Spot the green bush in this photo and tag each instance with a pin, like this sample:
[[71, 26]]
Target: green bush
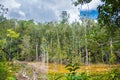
[[3, 73], [55, 76], [73, 75], [10, 78], [84, 76], [113, 74], [6, 72]]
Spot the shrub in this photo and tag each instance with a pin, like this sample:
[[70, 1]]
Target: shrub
[[73, 75], [113, 74], [6, 71]]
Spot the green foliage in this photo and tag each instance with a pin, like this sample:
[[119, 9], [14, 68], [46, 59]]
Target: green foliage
[[2, 54], [112, 58], [108, 13], [12, 34], [84, 76], [3, 41], [3, 72], [11, 78], [73, 75], [77, 2], [11, 44], [55, 76], [6, 72], [25, 48], [113, 74], [63, 43], [72, 69]]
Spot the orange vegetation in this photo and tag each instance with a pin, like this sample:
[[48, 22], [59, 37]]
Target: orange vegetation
[[60, 68]]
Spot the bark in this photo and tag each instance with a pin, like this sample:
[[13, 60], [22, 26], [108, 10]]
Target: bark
[[37, 57], [111, 46], [86, 49]]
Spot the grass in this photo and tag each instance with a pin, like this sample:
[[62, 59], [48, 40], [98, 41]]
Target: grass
[[60, 68], [55, 71]]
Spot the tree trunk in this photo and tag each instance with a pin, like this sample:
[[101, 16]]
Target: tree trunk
[[102, 55], [86, 50], [86, 55], [112, 56], [37, 57], [89, 58], [111, 46]]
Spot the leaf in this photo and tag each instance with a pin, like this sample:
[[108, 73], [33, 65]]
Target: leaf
[[70, 69], [76, 64], [10, 78], [75, 68], [58, 77], [69, 65]]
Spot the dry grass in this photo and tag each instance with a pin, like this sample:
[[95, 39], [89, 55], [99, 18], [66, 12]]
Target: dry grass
[[59, 68]]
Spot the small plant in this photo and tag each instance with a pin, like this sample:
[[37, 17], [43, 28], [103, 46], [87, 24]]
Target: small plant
[[72, 75], [55, 76], [84, 76]]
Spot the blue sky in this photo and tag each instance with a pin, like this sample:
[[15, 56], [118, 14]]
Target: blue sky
[[91, 14], [47, 10]]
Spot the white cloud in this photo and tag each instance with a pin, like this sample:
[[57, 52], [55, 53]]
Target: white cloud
[[65, 5], [11, 4], [95, 21], [92, 5], [74, 15], [22, 13], [44, 10]]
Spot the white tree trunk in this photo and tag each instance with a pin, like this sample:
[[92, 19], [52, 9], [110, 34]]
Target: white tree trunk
[[37, 57], [86, 50]]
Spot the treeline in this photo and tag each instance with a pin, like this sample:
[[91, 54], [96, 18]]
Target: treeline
[[58, 42]]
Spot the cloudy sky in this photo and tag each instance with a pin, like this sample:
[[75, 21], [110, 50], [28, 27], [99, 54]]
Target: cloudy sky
[[47, 10]]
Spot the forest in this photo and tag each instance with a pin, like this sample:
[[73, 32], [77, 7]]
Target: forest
[[25, 44]]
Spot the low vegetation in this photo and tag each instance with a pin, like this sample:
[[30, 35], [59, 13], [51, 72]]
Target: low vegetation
[[33, 70]]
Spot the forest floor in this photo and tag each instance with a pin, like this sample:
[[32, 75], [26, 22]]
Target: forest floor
[[60, 68], [31, 69]]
